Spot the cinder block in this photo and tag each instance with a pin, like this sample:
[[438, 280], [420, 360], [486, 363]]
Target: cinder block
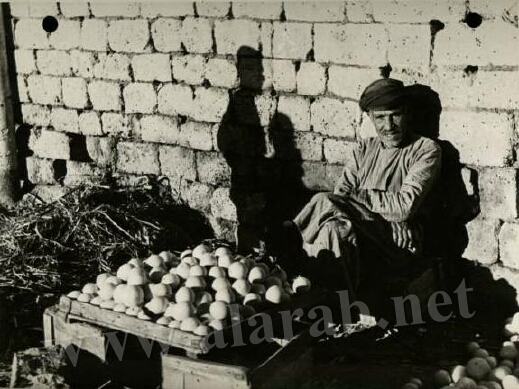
[[409, 45], [82, 63], [257, 9], [292, 40], [74, 9], [354, 44], [283, 75], [64, 120], [210, 104], [114, 9], [482, 138], [101, 150], [266, 106], [67, 36], [49, 193], [482, 241], [19, 9], [197, 35], [509, 244], [151, 67], [223, 229], [38, 115], [334, 118], [232, 34], [40, 171], [120, 40], [89, 123], [79, 173], [44, 89], [137, 158], [28, 34], [418, 11], [293, 112], [338, 150], [266, 36], [315, 176], [222, 205], [255, 73], [189, 68], [483, 89], [310, 145], [311, 79], [213, 169], [139, 97], [213, 9], [118, 124], [196, 195], [359, 11], [494, 10], [254, 109], [315, 11], [350, 82], [49, 144], [23, 92], [24, 61], [176, 8], [196, 135], [166, 34], [177, 163], [43, 8], [161, 129], [112, 66], [94, 35], [221, 72], [53, 62], [489, 44], [510, 276], [74, 91], [175, 99], [104, 95], [498, 193]]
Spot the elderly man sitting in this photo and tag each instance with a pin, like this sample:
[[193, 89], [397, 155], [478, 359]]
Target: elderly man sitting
[[371, 221]]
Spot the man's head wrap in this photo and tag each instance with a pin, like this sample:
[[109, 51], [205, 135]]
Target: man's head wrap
[[383, 94]]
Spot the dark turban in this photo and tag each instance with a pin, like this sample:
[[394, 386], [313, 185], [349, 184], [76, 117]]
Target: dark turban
[[386, 93]]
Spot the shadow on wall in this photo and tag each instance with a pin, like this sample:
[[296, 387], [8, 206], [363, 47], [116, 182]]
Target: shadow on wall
[[266, 171], [453, 208]]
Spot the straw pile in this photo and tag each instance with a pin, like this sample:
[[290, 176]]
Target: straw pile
[[58, 246]]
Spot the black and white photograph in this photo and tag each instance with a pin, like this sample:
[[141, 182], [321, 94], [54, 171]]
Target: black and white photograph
[[259, 194]]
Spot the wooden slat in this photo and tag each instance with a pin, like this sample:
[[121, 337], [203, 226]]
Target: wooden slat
[[185, 373], [60, 332], [122, 322]]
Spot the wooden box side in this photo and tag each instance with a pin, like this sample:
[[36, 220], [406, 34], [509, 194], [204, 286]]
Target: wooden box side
[[120, 321], [58, 331], [185, 373]]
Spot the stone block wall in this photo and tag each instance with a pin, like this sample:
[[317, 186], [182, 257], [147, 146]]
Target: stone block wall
[[143, 88]]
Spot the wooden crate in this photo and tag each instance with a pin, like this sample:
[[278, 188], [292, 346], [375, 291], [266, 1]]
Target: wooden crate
[[267, 365], [87, 313], [284, 367], [57, 330], [75, 311]]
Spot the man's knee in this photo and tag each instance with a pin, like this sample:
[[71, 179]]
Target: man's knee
[[320, 197], [340, 228]]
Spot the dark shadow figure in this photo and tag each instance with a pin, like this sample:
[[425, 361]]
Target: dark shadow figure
[[266, 171], [452, 208]]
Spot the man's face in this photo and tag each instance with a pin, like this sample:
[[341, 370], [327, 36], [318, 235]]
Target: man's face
[[390, 126]]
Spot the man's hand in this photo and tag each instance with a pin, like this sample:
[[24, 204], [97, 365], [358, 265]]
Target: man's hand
[[403, 236]]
